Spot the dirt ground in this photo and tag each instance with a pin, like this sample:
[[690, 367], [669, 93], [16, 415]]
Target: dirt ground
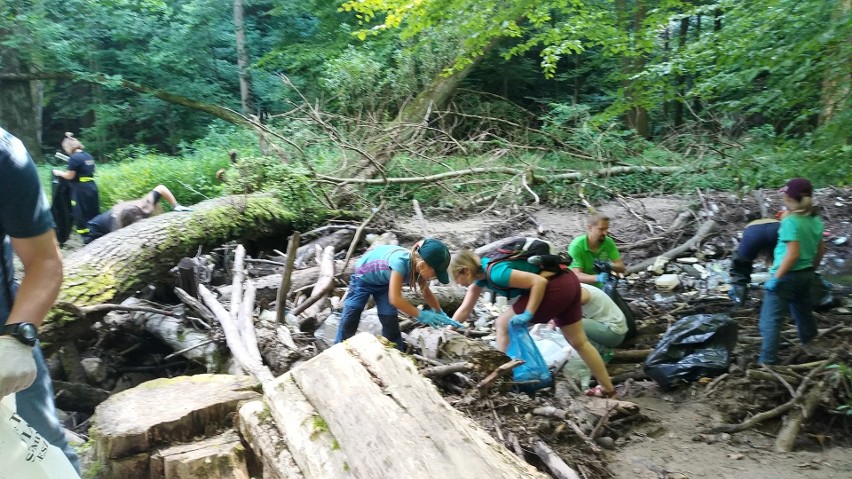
[[668, 442]]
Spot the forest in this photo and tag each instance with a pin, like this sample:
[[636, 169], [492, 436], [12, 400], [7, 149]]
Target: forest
[[362, 122]]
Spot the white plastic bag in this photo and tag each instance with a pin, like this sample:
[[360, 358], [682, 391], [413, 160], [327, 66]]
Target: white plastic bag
[[555, 350], [25, 453]]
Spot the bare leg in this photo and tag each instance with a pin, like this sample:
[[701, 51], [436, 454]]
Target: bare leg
[[502, 326], [577, 339]]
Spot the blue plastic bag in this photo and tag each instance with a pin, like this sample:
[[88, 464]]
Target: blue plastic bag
[[533, 374]]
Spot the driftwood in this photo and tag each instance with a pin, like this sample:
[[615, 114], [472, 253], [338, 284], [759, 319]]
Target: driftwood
[[703, 231], [267, 286], [324, 284], [554, 464], [344, 432], [234, 339], [286, 280], [793, 422], [338, 240], [107, 269], [451, 347], [679, 222], [195, 305], [72, 396]]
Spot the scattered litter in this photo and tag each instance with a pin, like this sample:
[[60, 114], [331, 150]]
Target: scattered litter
[[667, 282]]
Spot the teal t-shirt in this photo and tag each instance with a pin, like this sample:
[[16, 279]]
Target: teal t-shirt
[[807, 230], [583, 258], [500, 274]]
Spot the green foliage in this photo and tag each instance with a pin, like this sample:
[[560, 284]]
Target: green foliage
[[287, 182]]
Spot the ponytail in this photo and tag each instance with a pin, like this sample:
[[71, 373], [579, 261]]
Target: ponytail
[[803, 206], [412, 275]]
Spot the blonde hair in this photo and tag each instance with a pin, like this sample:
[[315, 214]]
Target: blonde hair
[[412, 275], [803, 206], [595, 219], [71, 144], [465, 260]]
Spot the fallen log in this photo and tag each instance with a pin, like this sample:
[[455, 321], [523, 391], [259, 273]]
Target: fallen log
[[338, 240], [110, 267], [381, 419], [260, 432]]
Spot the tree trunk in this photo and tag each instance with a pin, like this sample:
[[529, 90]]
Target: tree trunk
[[837, 80], [677, 119], [242, 59], [379, 418], [111, 266], [20, 102]]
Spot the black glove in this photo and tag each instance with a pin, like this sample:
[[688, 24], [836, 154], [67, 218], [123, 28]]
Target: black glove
[[603, 266]]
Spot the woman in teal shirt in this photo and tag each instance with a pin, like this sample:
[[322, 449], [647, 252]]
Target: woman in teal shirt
[[798, 253]]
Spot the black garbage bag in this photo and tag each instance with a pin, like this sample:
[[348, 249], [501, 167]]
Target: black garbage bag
[[822, 294], [694, 347], [61, 208], [611, 289]]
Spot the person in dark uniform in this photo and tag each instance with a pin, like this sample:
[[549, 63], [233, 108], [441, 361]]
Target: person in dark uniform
[[759, 239], [129, 212], [81, 173]]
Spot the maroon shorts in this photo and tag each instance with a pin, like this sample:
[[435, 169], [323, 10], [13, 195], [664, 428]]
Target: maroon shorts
[[561, 301]]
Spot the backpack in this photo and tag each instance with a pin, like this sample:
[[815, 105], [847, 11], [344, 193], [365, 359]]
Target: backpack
[[536, 251]]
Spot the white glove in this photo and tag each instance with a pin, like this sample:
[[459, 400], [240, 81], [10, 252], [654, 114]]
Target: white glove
[[17, 366], [179, 207]]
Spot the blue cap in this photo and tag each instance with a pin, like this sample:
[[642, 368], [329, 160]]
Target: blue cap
[[437, 256]]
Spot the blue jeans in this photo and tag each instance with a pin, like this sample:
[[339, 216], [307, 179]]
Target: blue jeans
[[35, 405], [356, 299], [792, 294]]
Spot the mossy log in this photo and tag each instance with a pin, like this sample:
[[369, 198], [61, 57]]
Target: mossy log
[[110, 267]]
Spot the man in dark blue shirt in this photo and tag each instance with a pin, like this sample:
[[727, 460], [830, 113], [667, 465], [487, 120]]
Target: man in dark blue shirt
[[26, 226], [85, 201]]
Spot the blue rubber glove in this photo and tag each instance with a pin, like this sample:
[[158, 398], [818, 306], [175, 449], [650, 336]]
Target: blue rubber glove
[[522, 319], [429, 318], [771, 284], [603, 277], [448, 320]]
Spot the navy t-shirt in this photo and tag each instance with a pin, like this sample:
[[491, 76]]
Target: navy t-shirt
[[83, 164], [24, 210]]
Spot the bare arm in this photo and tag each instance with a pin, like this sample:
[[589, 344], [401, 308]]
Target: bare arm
[[618, 266], [429, 296], [42, 277], [166, 194], [67, 174], [469, 301], [395, 296], [537, 284], [585, 278], [789, 259]]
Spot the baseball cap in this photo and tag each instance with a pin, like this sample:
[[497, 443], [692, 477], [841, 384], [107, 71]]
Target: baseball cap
[[798, 188], [437, 256]]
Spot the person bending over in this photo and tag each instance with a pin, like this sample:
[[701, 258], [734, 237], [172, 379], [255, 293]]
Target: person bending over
[[542, 296], [129, 212]]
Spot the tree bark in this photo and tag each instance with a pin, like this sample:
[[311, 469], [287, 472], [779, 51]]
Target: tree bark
[[20, 102], [242, 58]]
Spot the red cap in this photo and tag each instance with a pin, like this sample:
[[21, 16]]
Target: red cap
[[797, 188]]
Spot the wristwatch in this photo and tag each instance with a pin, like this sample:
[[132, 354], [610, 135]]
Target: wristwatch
[[26, 333]]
